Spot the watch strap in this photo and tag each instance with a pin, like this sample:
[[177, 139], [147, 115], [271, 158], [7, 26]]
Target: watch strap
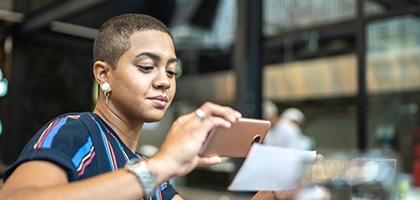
[[147, 179]]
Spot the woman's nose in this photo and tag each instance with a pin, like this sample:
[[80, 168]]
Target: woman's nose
[[162, 80]]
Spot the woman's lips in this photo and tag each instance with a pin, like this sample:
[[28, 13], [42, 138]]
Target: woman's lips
[[160, 101]]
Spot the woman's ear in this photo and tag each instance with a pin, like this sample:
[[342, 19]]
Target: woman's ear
[[100, 71]]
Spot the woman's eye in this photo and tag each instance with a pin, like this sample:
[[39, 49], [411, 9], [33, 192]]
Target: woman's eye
[[146, 68], [171, 73]]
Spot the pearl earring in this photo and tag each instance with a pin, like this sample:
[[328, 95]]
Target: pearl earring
[[105, 87]]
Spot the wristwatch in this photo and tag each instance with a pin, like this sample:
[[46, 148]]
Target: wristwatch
[[147, 179]]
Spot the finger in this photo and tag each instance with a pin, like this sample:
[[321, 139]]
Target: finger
[[285, 194], [214, 121], [228, 113], [319, 157], [207, 161]]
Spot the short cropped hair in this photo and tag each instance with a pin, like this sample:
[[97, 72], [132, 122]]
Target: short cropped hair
[[113, 38]]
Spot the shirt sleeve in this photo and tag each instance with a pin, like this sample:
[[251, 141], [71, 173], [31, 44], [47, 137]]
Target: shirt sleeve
[[60, 141], [168, 191]]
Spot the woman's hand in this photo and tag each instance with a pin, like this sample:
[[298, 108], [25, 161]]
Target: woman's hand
[[275, 195], [178, 154]]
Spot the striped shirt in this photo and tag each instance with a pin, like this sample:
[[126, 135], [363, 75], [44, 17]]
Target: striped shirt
[[84, 145]]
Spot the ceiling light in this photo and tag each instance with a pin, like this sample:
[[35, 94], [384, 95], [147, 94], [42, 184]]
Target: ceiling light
[[73, 29]]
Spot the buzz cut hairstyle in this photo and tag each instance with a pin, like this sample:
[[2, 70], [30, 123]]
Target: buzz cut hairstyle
[[113, 38]]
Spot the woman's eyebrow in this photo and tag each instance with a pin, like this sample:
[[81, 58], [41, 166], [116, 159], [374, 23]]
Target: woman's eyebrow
[[156, 57], [173, 60], [149, 54]]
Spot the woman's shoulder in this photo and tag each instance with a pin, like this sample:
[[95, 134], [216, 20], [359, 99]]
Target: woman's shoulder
[[72, 118], [74, 115], [67, 125]]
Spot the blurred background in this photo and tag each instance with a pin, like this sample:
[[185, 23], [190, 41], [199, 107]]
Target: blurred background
[[351, 66]]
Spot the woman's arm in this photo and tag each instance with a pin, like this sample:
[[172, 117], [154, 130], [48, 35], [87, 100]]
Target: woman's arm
[[46, 180], [177, 156], [177, 197]]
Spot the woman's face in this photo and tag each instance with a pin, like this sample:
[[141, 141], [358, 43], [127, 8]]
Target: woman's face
[[143, 84]]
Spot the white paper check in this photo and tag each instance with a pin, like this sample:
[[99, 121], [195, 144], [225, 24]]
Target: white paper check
[[271, 168]]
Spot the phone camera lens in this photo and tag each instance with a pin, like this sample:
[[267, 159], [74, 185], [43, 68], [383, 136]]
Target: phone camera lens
[[256, 139]]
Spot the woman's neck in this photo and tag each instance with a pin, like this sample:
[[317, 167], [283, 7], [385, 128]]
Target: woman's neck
[[129, 133]]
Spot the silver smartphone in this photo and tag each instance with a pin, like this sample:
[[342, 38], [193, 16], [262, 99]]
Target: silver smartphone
[[237, 140]]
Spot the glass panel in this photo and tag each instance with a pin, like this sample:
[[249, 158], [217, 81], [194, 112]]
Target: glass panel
[[375, 7], [291, 15], [393, 81]]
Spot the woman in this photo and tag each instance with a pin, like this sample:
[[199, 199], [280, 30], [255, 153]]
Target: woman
[[78, 155]]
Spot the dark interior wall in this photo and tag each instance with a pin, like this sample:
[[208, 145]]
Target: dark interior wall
[[47, 79], [51, 74]]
